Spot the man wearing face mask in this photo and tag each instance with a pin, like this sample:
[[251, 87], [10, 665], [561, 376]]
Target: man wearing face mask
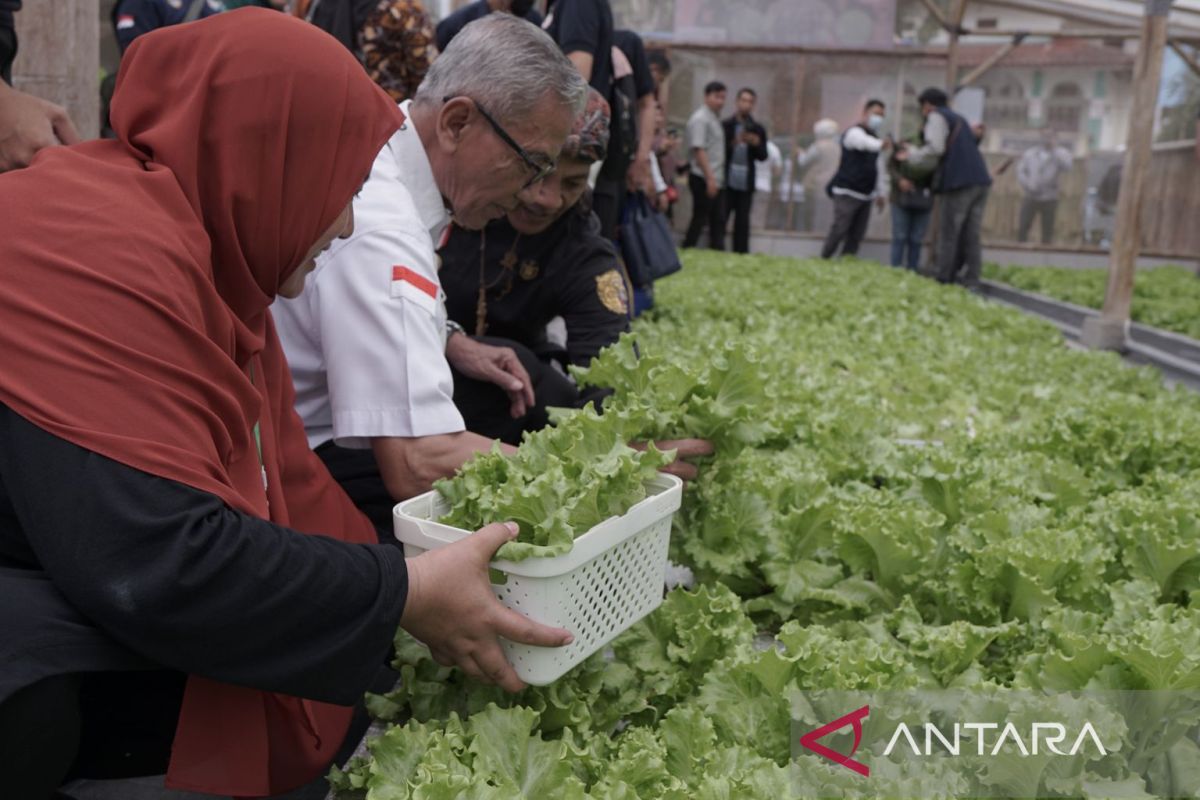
[[856, 182], [448, 28]]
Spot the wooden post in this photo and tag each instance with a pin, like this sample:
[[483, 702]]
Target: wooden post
[[58, 58], [797, 109], [959, 11], [1109, 331]]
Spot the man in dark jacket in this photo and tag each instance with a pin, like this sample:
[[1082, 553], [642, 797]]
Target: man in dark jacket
[[745, 143], [856, 182], [962, 180]]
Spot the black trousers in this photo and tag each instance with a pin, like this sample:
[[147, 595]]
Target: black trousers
[[111, 725], [1030, 208], [738, 204], [959, 236], [100, 725], [850, 218], [357, 471], [485, 406], [706, 212]]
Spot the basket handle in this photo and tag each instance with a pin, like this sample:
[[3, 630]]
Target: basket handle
[[438, 532]]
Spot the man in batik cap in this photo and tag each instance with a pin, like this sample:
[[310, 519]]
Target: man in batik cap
[[545, 261]]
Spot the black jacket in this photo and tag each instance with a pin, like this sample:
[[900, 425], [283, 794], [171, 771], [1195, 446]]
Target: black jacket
[[569, 270], [756, 153]]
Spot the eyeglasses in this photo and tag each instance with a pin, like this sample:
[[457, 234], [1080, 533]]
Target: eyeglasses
[[539, 164]]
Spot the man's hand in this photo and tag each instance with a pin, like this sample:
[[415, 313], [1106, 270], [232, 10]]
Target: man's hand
[[498, 365], [662, 202], [452, 609], [880, 202], [752, 138], [906, 185], [28, 124], [684, 449], [711, 185], [638, 177]]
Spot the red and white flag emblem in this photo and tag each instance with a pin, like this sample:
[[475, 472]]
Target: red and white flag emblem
[[415, 287]]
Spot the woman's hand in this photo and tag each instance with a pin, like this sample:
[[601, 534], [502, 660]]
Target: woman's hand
[[452, 609]]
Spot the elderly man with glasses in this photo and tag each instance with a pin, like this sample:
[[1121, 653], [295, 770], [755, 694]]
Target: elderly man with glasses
[[367, 341]]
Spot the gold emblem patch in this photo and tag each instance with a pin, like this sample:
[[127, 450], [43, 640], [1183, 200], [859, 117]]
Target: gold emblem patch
[[529, 269], [611, 288]]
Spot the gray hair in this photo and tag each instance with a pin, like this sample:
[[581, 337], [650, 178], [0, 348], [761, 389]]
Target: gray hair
[[508, 65], [826, 128]]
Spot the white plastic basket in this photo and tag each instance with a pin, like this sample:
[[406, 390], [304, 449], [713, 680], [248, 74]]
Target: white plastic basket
[[610, 579]]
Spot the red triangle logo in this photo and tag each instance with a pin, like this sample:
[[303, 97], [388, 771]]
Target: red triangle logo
[[854, 719]]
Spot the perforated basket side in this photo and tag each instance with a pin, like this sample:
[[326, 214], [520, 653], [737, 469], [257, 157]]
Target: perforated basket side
[[596, 601]]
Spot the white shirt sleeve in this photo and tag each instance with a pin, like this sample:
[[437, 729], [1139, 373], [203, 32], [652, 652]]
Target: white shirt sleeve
[[378, 305], [858, 139], [660, 185], [697, 133], [937, 136]]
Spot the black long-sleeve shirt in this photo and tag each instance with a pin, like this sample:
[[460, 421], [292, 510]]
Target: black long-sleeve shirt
[[449, 27], [103, 566]]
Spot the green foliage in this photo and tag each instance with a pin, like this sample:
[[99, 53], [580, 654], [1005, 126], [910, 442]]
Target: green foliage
[[913, 489], [1163, 297], [563, 481]]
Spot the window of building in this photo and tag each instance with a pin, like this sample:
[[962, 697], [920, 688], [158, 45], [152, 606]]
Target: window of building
[[1064, 107], [1006, 105]]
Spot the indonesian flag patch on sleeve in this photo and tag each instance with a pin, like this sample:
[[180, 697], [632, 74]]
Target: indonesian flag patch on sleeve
[[125, 22], [414, 287]]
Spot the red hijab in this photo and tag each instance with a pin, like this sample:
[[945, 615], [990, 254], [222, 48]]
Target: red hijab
[[135, 278]]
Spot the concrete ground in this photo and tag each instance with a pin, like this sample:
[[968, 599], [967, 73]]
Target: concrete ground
[[800, 245]]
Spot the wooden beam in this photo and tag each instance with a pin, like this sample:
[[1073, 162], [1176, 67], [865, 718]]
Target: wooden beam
[[799, 70], [1110, 330], [1078, 33], [991, 61], [1187, 57], [796, 49], [1082, 33], [956, 20], [937, 14]]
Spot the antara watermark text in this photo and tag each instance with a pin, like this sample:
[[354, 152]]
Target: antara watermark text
[[1040, 738]]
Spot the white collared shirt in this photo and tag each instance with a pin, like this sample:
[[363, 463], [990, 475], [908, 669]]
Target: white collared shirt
[[366, 339]]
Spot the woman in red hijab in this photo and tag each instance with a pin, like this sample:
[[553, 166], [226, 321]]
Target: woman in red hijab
[[157, 595]]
